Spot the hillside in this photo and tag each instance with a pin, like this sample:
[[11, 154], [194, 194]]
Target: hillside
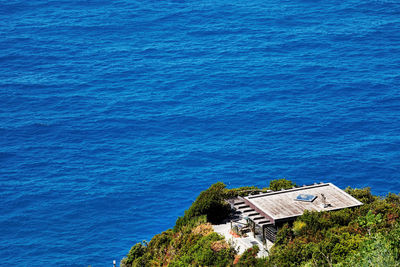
[[363, 236]]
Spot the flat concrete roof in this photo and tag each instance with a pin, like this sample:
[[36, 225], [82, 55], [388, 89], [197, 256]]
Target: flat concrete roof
[[282, 205]]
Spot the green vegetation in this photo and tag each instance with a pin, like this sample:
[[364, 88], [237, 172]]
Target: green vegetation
[[364, 236], [192, 242], [281, 184], [249, 258], [209, 203]]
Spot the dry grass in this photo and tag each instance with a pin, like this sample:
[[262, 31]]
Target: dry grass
[[203, 229], [219, 245]]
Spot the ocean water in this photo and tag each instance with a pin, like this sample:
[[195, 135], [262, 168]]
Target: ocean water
[[114, 115]]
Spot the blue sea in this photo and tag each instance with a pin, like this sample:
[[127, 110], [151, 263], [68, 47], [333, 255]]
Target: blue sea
[[115, 115]]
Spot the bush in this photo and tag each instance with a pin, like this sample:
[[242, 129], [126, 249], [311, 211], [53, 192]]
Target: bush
[[210, 203], [375, 251], [249, 257], [364, 195], [340, 217], [363, 236], [393, 239], [298, 227], [315, 221], [329, 238], [284, 235], [279, 184], [241, 191], [136, 252], [393, 198]]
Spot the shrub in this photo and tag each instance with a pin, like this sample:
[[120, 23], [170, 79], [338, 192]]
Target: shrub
[[364, 195], [241, 191], [249, 257], [281, 184], [298, 226], [315, 221], [375, 251], [337, 238], [393, 238], [204, 252], [340, 217], [210, 203], [284, 235], [137, 251], [393, 198], [370, 221]]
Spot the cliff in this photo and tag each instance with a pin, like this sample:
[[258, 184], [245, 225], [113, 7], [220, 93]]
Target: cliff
[[363, 236]]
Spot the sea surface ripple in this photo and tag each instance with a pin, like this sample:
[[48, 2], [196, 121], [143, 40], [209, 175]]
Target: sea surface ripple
[[114, 115]]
